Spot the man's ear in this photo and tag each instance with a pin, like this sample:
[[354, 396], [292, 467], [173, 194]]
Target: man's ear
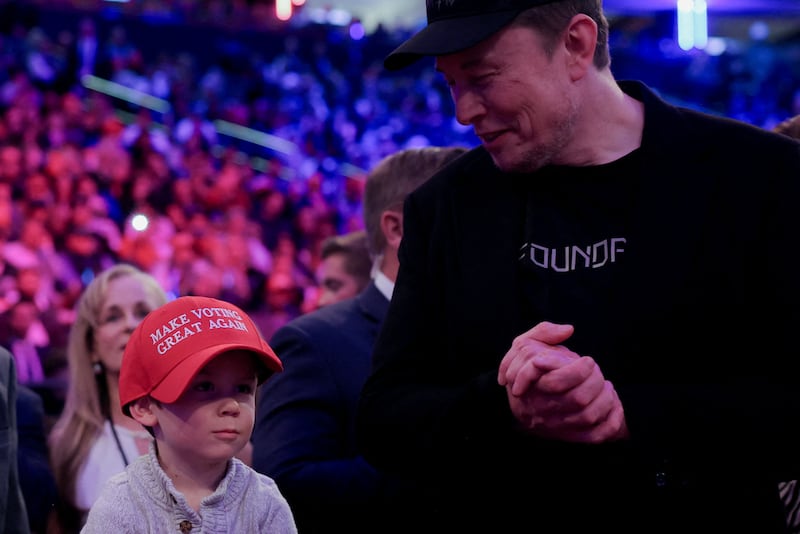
[[581, 41], [392, 227], [142, 411]]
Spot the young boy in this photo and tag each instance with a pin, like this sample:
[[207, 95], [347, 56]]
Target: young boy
[[189, 375]]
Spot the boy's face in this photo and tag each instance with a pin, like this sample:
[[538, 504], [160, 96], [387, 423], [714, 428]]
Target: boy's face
[[213, 419]]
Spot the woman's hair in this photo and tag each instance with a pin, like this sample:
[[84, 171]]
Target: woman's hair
[[550, 20], [87, 402]]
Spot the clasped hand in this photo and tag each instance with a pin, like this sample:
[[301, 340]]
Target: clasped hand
[[556, 393]]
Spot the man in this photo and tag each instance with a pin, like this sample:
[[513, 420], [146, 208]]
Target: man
[[37, 481], [304, 436], [790, 491], [344, 268], [593, 324], [13, 515]]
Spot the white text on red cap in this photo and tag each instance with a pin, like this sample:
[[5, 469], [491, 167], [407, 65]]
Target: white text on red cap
[[169, 334]]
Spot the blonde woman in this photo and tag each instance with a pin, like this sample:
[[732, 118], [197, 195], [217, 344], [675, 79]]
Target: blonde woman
[[92, 439]]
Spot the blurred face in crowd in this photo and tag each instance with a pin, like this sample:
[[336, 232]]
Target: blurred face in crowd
[[335, 283], [126, 304], [34, 234], [10, 163], [519, 101], [23, 315], [282, 291], [29, 281]]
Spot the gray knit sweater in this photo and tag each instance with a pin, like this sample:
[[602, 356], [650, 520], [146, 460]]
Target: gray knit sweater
[[142, 499]]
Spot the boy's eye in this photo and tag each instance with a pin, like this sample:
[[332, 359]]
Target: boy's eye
[[246, 388], [205, 385]]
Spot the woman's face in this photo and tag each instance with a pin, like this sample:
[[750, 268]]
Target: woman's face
[[126, 304]]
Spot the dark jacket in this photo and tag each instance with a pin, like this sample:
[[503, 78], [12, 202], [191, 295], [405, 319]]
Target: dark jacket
[[13, 516], [695, 325], [304, 436], [36, 476]]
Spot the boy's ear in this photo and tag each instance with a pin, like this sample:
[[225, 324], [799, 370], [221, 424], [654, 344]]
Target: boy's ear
[[141, 410]]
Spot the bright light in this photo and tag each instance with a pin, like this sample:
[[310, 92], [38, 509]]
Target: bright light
[[692, 24], [357, 31], [716, 46], [759, 30], [339, 17], [700, 24], [283, 9], [139, 222]]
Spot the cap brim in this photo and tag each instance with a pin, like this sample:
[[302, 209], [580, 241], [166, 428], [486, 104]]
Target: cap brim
[[176, 382], [448, 36]]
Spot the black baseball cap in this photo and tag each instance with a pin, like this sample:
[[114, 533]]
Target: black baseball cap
[[454, 25]]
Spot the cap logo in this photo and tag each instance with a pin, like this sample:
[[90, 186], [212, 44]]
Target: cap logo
[[186, 325], [437, 6]]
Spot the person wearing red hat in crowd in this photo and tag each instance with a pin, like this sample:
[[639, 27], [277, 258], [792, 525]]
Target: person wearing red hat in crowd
[[189, 375], [594, 325]]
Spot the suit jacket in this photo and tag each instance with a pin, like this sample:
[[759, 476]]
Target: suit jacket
[[696, 331], [13, 516], [304, 436], [36, 477]]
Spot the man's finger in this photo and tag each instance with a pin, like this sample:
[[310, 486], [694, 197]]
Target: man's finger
[[551, 333]]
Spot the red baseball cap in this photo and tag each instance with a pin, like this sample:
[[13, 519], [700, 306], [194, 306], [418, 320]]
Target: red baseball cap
[[176, 340]]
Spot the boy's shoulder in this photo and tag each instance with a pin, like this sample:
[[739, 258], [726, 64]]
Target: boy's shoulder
[[112, 508], [249, 479]]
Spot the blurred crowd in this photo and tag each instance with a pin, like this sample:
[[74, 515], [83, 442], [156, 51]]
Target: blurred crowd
[[249, 151]]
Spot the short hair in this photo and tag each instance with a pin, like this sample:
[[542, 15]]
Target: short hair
[[393, 178], [353, 247], [551, 19]]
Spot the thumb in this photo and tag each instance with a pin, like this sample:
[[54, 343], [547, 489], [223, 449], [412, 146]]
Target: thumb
[[550, 333]]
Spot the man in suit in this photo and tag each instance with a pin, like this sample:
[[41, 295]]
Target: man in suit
[[344, 269], [13, 515], [304, 435], [594, 326], [36, 477]]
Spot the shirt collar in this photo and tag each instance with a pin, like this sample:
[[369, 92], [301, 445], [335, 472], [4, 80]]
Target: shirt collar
[[384, 285]]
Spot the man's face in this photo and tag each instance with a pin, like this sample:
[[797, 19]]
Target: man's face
[[520, 102], [335, 283]]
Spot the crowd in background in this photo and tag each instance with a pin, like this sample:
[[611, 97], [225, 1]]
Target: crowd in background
[[250, 152]]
